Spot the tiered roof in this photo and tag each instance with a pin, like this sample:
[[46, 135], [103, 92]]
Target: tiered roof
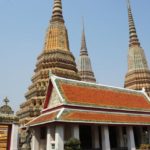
[[83, 102]]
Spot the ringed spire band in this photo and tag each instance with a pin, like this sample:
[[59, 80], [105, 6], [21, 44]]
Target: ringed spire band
[[57, 11]]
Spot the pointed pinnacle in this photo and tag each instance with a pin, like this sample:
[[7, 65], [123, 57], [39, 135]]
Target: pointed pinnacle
[[6, 101], [132, 30], [128, 4], [83, 50]]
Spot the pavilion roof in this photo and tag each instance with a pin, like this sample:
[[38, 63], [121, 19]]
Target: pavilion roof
[[90, 117], [86, 102], [81, 93]]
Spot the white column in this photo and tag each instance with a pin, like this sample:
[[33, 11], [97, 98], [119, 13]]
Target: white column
[[75, 132], [14, 137], [105, 138], [35, 140], [59, 137], [130, 138], [48, 143], [95, 137], [120, 141]]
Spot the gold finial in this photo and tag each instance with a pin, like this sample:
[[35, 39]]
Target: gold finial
[[128, 4], [83, 22], [6, 101]]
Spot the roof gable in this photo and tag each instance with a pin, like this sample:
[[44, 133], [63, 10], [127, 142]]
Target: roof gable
[[53, 97]]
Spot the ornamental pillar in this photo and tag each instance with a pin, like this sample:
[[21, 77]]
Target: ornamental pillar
[[35, 140], [95, 137], [48, 143], [105, 138], [14, 137], [120, 140], [59, 137], [75, 132], [130, 138]]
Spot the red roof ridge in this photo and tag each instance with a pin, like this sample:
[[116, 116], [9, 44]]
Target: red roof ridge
[[55, 78]]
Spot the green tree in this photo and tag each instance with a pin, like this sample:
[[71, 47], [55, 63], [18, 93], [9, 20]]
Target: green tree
[[72, 144]]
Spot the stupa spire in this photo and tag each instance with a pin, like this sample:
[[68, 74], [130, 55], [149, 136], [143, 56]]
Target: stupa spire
[[83, 50], [132, 30], [57, 35], [84, 65], [56, 58], [138, 75], [57, 11]]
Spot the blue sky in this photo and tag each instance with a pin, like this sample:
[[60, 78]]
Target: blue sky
[[23, 25]]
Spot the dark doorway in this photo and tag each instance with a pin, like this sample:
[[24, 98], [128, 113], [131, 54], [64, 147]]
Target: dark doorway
[[85, 137], [137, 136], [100, 137], [113, 137]]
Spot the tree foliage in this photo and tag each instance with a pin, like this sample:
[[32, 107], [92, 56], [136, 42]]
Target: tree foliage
[[72, 144]]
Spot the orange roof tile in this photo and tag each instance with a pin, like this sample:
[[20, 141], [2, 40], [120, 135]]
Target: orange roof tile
[[105, 117], [92, 117], [43, 119], [84, 94]]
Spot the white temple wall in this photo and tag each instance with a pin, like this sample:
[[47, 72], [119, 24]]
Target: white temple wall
[[59, 137], [35, 144], [130, 137], [43, 144], [14, 137], [105, 138]]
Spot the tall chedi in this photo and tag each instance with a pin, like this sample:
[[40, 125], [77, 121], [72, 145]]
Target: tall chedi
[[84, 64], [138, 75], [56, 58]]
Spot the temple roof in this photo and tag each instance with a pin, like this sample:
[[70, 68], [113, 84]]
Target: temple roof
[[73, 92], [81, 93], [80, 101], [77, 116]]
